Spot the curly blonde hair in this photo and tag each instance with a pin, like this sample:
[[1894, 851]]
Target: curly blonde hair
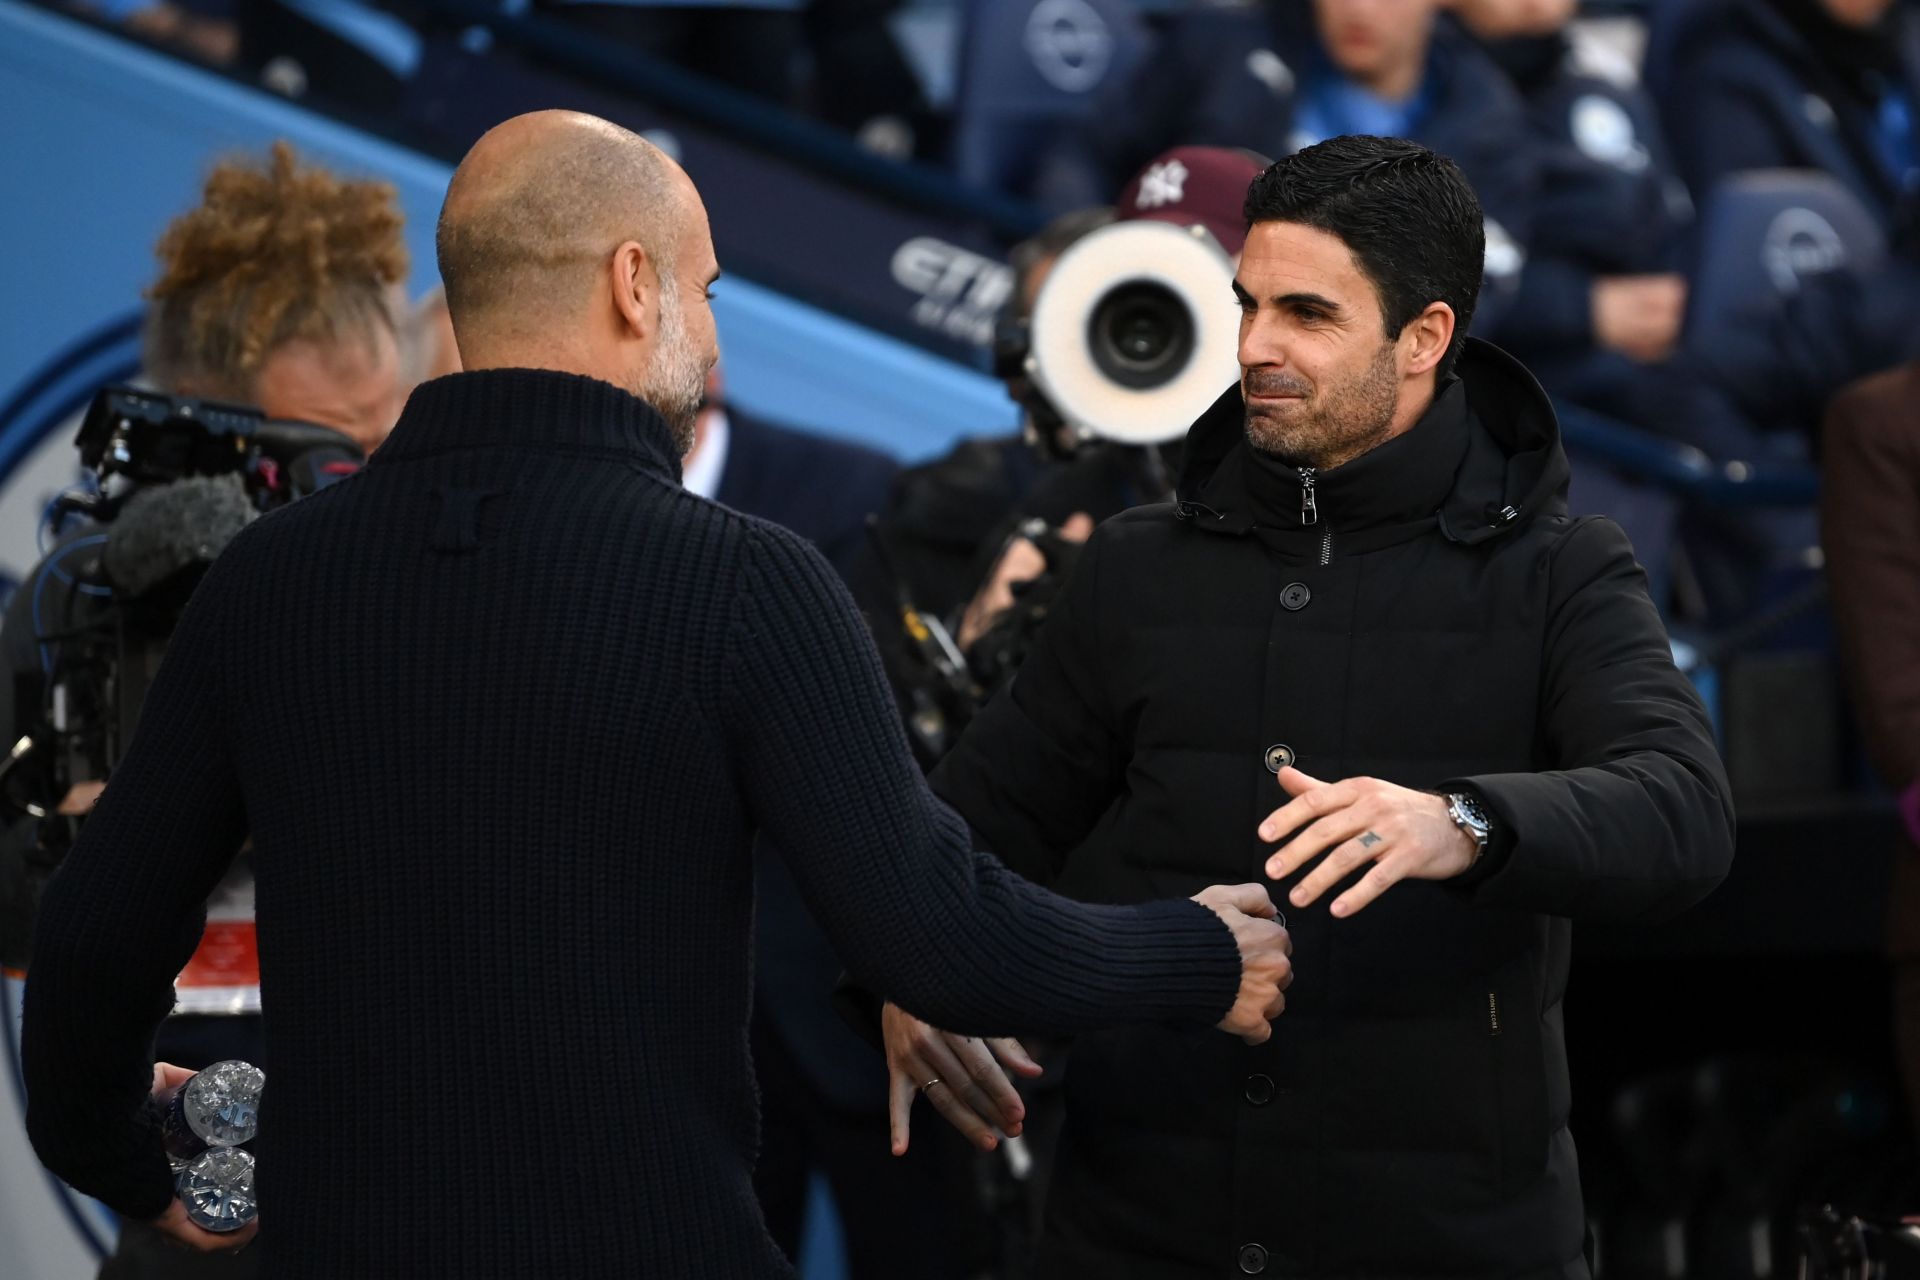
[[271, 255]]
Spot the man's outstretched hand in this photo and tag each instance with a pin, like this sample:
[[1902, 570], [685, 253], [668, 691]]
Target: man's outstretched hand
[[1397, 833]]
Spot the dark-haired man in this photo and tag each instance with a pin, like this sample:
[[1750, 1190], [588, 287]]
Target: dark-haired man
[[1368, 592]]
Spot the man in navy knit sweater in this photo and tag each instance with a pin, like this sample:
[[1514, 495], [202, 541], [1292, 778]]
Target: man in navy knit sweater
[[502, 715]]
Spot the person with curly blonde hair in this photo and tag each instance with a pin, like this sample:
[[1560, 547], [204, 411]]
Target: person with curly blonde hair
[[280, 290]]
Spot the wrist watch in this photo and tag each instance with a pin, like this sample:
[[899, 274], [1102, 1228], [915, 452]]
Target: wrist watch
[[1470, 816]]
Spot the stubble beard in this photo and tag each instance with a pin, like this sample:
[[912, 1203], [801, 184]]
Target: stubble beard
[[676, 381], [1332, 425]]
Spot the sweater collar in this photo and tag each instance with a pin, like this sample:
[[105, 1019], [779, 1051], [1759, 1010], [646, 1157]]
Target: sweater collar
[[530, 409]]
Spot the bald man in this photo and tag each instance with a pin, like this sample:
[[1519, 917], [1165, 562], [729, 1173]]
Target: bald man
[[503, 715]]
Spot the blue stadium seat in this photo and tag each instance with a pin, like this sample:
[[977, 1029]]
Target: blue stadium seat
[[1030, 68], [1776, 246]]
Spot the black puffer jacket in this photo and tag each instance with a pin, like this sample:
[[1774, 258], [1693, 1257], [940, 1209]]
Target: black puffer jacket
[[1441, 622]]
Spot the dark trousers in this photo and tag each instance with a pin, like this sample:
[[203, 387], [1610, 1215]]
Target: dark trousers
[[903, 1218]]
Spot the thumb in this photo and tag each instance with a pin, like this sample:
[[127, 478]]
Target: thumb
[[1296, 782], [1249, 899], [1078, 528]]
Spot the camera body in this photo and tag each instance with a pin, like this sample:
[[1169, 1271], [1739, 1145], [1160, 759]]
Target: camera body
[[174, 480]]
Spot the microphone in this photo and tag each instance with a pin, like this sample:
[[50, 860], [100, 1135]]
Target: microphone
[[167, 530]]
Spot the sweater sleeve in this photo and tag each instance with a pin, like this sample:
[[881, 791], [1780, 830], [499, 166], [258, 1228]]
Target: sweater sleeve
[[1634, 821], [950, 935], [120, 919]]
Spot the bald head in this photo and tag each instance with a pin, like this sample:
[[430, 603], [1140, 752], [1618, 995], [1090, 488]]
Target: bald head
[[567, 242], [537, 206]]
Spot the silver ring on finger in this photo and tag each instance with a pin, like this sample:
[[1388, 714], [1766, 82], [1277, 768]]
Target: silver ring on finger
[[929, 1084]]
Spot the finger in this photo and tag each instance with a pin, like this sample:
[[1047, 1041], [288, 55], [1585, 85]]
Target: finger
[[987, 1076], [1276, 1006], [952, 1106], [1339, 863], [1316, 838], [964, 1105], [1249, 899], [1078, 528], [1305, 807], [1014, 1056], [1297, 782], [1260, 1034], [899, 1108], [167, 1076], [1385, 874]]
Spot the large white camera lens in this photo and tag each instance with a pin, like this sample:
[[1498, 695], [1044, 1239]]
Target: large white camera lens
[[1135, 332]]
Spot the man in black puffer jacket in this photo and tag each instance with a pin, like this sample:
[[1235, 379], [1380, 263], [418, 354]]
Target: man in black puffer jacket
[[1370, 587]]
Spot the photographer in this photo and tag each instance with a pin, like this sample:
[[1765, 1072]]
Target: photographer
[[276, 291], [997, 521]]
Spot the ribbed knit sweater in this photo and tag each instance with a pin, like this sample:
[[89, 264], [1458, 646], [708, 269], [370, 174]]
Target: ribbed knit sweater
[[502, 715]]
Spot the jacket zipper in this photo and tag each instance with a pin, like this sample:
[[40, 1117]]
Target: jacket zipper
[[1493, 1014], [1310, 513]]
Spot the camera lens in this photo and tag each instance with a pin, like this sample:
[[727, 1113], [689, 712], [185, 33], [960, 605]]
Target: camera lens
[[1141, 334]]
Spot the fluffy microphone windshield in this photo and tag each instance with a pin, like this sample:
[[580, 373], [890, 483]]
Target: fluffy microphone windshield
[[170, 528]]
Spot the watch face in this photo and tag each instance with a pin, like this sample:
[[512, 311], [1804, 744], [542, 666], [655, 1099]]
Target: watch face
[[1471, 811]]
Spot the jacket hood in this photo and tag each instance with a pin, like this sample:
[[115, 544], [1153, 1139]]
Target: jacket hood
[[1483, 460]]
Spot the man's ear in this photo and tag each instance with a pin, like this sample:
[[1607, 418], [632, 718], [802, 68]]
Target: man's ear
[[635, 287], [1430, 334]]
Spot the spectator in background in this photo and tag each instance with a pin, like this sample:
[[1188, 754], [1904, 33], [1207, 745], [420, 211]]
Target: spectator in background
[[1870, 527], [1289, 76], [1601, 298], [1832, 85]]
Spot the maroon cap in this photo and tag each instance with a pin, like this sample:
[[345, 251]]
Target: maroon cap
[[1195, 186]]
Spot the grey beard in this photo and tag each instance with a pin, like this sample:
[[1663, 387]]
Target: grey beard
[[676, 382]]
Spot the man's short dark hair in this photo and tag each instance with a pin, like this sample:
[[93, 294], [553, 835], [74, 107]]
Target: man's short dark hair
[[1408, 215]]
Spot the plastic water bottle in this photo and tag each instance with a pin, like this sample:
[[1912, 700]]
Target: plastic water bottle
[[217, 1189], [218, 1107]]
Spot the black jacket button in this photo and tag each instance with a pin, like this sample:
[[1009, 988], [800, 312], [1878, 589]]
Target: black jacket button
[[1294, 597], [1253, 1259], [1279, 756], [1259, 1090]]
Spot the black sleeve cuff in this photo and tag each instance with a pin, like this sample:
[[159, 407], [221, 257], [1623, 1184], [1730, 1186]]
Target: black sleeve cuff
[[1501, 839]]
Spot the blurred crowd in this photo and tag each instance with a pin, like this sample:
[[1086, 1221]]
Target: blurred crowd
[[1647, 258]]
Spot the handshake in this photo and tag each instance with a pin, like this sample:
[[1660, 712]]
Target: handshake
[[965, 1078]]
